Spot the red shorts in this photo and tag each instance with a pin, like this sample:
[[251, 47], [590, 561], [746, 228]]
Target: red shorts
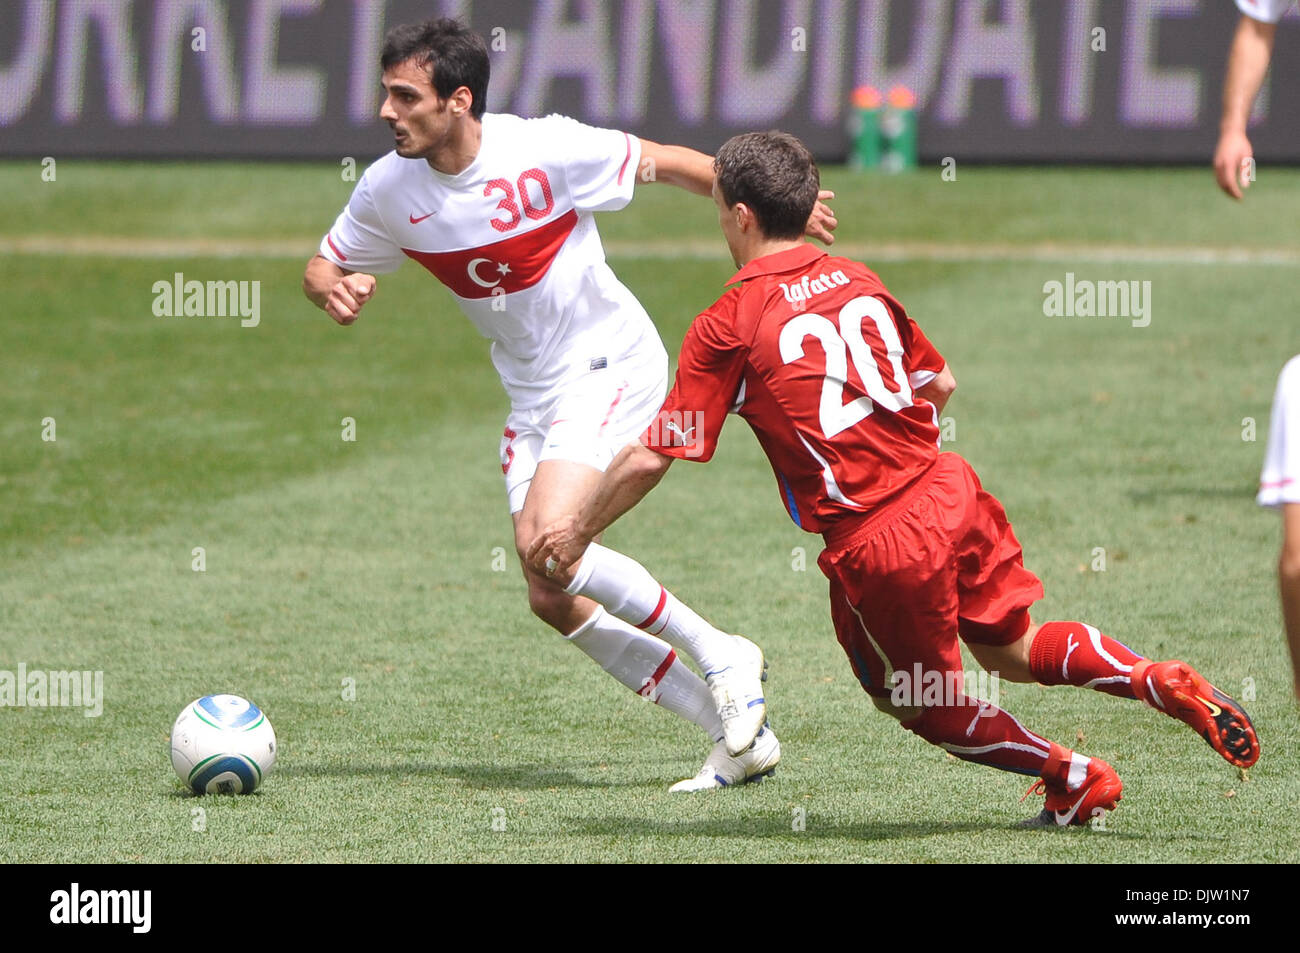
[[938, 562]]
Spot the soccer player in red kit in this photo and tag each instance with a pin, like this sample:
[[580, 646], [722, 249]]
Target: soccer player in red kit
[[844, 393]]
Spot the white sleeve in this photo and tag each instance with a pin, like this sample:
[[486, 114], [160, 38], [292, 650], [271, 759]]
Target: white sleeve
[[1266, 11], [1280, 481], [599, 164], [359, 241]]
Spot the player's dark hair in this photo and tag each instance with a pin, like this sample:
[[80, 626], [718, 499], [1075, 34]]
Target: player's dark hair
[[454, 56], [775, 175]]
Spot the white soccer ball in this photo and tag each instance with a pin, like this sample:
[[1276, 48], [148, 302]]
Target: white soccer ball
[[222, 744]]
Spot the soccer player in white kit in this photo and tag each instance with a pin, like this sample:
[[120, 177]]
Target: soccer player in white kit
[[1252, 48], [499, 209], [1279, 487]]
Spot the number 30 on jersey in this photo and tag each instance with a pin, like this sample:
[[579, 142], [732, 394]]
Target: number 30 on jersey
[[510, 208]]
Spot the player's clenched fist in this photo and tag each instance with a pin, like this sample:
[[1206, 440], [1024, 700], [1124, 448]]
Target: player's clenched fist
[[348, 295]]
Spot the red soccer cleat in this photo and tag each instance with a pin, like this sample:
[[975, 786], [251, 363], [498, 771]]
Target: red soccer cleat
[[1180, 691], [1100, 790]]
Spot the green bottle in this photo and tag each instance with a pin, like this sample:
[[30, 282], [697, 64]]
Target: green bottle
[[864, 128], [898, 131]]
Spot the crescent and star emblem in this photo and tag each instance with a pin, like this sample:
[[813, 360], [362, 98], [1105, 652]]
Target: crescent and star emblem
[[502, 268]]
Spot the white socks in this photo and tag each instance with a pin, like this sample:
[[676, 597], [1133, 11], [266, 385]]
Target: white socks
[[649, 667], [624, 587]]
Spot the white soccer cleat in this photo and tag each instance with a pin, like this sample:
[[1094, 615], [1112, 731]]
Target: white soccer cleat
[[738, 694], [722, 770]]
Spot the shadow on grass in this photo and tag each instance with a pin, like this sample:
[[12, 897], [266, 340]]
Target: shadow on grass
[[779, 827], [527, 777], [185, 794]]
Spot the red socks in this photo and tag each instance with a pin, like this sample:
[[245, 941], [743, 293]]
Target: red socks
[[1074, 653], [974, 730], [1063, 653]]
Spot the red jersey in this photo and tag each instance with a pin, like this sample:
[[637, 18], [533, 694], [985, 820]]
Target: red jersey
[[823, 363]]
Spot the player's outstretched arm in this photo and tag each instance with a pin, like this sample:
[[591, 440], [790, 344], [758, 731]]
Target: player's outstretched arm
[[634, 473], [1252, 47], [336, 291], [693, 171], [676, 165]]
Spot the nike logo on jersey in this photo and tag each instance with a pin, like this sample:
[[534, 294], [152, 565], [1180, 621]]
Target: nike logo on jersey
[[417, 221]]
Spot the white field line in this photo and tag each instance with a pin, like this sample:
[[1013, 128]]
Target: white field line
[[118, 246]]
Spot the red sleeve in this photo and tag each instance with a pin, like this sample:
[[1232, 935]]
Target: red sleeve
[[923, 359], [709, 372]]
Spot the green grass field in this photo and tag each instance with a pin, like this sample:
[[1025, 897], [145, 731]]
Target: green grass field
[[389, 560]]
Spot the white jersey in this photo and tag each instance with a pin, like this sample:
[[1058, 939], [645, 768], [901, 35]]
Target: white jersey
[[1266, 11], [513, 238], [1280, 481]]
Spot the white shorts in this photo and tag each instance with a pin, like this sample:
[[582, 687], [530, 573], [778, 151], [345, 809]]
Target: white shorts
[[588, 421]]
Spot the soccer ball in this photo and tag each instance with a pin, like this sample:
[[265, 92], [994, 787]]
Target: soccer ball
[[222, 744]]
